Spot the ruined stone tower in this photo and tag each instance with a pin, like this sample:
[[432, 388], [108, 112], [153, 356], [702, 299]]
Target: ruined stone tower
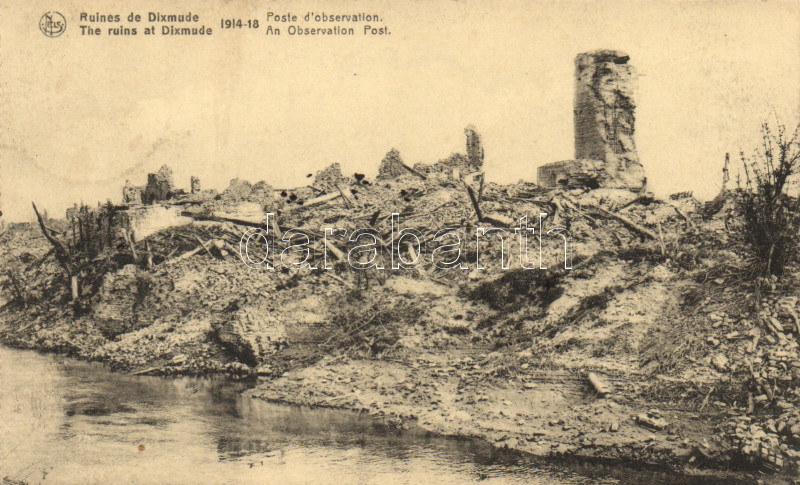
[[605, 152]]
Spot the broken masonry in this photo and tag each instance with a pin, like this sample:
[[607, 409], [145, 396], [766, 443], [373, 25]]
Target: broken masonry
[[605, 151]]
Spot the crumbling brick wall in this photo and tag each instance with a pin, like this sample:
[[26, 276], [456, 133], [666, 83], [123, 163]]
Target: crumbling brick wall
[[391, 165], [572, 173], [474, 148], [159, 186], [604, 114], [605, 152], [131, 194], [454, 166]]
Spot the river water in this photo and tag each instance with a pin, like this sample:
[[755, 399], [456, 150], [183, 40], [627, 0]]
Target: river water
[[67, 421]]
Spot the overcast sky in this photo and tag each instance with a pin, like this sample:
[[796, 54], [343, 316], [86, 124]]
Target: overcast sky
[[81, 115]]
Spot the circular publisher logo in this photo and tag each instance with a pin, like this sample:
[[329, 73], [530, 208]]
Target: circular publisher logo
[[52, 24]]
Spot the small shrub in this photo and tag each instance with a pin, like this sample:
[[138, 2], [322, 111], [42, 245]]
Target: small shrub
[[771, 215]]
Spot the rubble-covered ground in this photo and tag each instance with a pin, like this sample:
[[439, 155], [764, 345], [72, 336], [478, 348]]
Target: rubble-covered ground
[[696, 357]]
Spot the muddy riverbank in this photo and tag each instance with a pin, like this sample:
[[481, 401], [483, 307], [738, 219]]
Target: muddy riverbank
[[69, 421]]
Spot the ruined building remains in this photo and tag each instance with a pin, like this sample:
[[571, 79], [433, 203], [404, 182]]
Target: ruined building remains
[[131, 194], [605, 152], [391, 165], [474, 148], [452, 167], [160, 185]]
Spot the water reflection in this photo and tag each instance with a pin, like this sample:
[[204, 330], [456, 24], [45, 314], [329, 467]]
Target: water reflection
[[64, 421]]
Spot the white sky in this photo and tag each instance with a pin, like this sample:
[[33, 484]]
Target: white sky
[[81, 115]]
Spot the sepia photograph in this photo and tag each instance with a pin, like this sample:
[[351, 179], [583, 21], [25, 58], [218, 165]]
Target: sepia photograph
[[400, 242]]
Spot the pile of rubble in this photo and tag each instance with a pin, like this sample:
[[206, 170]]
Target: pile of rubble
[[774, 444], [768, 433]]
